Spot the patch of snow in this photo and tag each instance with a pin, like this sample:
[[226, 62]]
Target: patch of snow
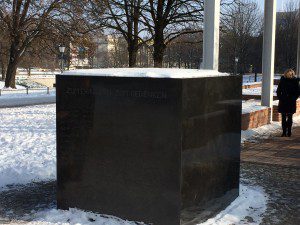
[[74, 216], [27, 144], [257, 91], [275, 102], [251, 83], [252, 203], [251, 106], [36, 76], [265, 131], [2, 84], [37, 99], [19, 97], [250, 78], [146, 72], [30, 84], [15, 98]]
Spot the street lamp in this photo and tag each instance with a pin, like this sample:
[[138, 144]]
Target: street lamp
[[236, 60], [62, 50]]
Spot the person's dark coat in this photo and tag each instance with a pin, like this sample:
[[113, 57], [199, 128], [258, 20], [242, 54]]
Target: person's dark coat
[[287, 93]]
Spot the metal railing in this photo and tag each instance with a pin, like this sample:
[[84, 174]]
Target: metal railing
[[27, 90]]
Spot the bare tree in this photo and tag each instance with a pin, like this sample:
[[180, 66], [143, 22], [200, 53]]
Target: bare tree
[[121, 17], [287, 37], [240, 23], [26, 21], [3, 52], [166, 20], [184, 52], [117, 53]]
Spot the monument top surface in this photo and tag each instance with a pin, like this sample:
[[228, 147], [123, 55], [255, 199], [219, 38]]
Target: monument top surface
[[146, 72]]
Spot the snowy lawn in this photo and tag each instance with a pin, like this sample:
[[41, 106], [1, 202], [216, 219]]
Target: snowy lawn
[[27, 144], [19, 87], [28, 150]]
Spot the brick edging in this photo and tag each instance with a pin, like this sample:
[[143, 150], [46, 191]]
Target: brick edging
[[276, 114]]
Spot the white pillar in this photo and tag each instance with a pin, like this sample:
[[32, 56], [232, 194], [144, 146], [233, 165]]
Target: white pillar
[[211, 34], [268, 53], [298, 51]]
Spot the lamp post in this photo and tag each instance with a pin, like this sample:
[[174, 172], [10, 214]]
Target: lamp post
[[236, 60], [62, 50], [298, 51]]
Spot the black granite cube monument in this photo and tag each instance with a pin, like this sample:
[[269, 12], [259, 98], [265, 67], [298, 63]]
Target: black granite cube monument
[[148, 145]]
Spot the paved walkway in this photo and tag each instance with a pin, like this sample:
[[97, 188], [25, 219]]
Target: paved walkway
[[281, 151], [274, 165]]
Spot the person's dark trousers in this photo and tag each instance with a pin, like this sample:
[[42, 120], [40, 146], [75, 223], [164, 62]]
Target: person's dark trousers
[[287, 122]]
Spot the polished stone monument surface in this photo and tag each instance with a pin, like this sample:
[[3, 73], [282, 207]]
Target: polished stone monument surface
[[151, 145]]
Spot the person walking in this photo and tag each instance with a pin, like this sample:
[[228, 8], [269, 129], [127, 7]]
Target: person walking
[[287, 93]]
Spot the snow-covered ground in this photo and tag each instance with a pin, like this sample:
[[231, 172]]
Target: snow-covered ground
[[266, 131], [263, 131], [252, 202], [17, 86], [19, 96], [257, 91], [27, 144], [30, 84], [251, 106], [250, 78], [28, 153]]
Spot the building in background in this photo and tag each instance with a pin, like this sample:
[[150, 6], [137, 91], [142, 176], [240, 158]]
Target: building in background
[[78, 58]]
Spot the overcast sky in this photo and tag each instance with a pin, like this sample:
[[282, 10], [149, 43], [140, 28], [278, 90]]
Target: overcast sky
[[280, 4]]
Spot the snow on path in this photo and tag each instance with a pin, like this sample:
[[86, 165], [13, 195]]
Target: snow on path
[[27, 144], [265, 131], [251, 203]]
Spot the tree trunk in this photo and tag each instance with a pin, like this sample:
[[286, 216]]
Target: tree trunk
[[132, 54], [3, 70], [158, 55], [10, 79], [29, 71], [159, 49]]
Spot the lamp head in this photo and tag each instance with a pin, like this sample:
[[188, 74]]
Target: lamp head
[[62, 49]]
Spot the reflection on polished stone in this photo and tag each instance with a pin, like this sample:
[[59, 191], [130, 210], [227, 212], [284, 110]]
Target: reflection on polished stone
[[159, 150]]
